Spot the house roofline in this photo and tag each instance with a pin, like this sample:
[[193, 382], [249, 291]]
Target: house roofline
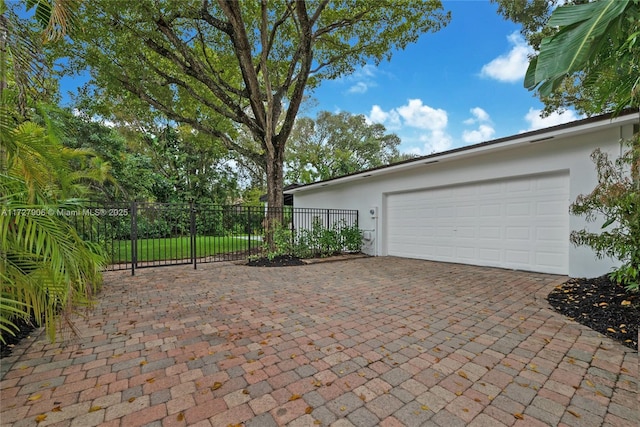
[[572, 128]]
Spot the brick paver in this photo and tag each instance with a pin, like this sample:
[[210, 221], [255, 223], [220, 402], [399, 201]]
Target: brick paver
[[360, 342]]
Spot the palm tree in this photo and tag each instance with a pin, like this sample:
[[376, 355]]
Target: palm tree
[[46, 269]]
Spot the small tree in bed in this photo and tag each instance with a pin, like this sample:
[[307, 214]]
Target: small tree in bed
[[616, 198]]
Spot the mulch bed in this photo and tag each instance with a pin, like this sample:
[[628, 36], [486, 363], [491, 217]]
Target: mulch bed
[[278, 261], [602, 305], [26, 327]]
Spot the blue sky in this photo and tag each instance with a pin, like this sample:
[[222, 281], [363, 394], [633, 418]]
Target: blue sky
[[459, 86]]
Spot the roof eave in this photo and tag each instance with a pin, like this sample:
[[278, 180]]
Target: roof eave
[[573, 128]]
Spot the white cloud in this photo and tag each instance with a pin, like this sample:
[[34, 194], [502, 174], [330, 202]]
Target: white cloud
[[416, 124], [482, 134], [421, 116], [485, 129], [512, 66], [363, 79], [536, 121], [390, 119], [436, 142], [480, 114], [360, 87]]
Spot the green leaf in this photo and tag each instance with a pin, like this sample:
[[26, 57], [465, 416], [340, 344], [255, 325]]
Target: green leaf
[[608, 222], [43, 13], [582, 28]]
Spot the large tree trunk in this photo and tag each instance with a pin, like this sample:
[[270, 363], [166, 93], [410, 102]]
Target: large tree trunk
[[275, 198]]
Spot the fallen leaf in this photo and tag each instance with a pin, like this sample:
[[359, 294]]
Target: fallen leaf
[[216, 385], [519, 416], [144, 362], [34, 397], [294, 397], [180, 417], [57, 409], [589, 383], [458, 393], [424, 407], [574, 413], [362, 397], [343, 408], [41, 418], [611, 330], [151, 380], [625, 303], [245, 391], [131, 399], [95, 408], [462, 374], [308, 410]]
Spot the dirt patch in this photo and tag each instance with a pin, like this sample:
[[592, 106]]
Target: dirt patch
[[602, 305]]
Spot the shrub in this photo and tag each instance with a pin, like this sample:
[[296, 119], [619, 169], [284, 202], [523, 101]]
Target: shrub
[[315, 241], [616, 198]]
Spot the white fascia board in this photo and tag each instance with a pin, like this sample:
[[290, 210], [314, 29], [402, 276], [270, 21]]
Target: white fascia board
[[577, 128]]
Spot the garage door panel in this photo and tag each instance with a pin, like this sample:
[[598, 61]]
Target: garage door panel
[[518, 209], [518, 233], [489, 255], [492, 210], [518, 223], [550, 208], [518, 257]]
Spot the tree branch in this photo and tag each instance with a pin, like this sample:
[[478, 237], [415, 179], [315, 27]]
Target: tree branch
[[193, 122], [242, 50]]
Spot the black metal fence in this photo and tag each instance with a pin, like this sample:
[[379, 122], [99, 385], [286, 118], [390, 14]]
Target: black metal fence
[[140, 234]]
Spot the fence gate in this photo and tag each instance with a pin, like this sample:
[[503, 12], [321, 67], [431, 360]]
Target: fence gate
[[142, 234]]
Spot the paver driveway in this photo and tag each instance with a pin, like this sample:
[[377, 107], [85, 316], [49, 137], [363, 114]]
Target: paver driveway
[[370, 341]]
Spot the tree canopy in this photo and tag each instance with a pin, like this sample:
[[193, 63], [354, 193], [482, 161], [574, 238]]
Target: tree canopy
[[336, 144], [221, 65]]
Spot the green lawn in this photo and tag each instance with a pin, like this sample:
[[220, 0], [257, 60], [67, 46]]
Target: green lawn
[[178, 248]]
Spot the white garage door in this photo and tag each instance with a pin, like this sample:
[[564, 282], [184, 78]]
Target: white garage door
[[519, 223]]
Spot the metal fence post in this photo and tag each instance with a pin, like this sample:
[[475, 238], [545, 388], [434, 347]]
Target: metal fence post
[[134, 238], [248, 208], [193, 230]]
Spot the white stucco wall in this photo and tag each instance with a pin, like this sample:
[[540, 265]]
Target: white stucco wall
[[569, 150]]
